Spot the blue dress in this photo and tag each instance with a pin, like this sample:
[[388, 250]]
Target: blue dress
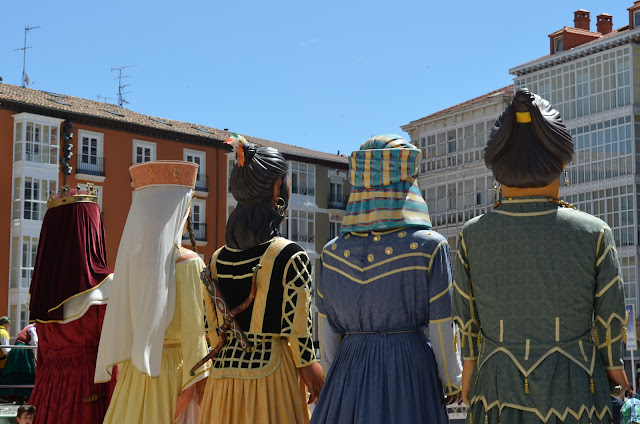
[[379, 294]]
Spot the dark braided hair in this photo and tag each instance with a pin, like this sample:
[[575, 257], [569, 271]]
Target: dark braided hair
[[532, 154], [192, 236], [254, 220]]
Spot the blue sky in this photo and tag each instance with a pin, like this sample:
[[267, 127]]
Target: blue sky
[[325, 75]]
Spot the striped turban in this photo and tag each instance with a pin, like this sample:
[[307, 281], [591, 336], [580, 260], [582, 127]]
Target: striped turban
[[385, 192]]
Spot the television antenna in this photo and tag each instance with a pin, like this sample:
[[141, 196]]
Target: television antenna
[[25, 77], [104, 99], [121, 86]]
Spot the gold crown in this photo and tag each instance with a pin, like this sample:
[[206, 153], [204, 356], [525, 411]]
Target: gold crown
[[164, 172], [65, 197]]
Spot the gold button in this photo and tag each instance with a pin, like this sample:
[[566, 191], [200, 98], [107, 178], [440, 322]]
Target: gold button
[[346, 253], [402, 234], [429, 233], [347, 236], [388, 251], [376, 238], [334, 246], [370, 258], [413, 245]]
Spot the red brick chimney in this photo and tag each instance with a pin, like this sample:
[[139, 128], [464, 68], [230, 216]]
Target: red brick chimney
[[581, 19], [605, 23]]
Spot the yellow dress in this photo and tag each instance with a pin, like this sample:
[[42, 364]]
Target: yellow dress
[[139, 398], [264, 385]]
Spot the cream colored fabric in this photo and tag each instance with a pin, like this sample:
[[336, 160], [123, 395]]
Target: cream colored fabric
[[141, 399], [76, 307], [143, 292]]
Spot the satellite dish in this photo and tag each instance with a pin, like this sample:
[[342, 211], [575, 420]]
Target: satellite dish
[[26, 79]]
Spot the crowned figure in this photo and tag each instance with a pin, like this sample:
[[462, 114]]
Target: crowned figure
[[69, 291]]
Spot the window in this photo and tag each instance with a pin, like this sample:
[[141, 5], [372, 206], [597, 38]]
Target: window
[[36, 142], [198, 157], [336, 196], [32, 198], [302, 226], [636, 19], [23, 258], [557, 45], [90, 156], [303, 179], [143, 151], [334, 229], [198, 220]]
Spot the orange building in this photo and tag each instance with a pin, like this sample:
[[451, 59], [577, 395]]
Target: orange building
[[107, 139]]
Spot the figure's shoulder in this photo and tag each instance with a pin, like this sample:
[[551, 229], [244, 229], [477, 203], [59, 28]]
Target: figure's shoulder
[[427, 239], [187, 255], [582, 220]]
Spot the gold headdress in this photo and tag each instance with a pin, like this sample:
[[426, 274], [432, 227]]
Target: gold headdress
[[164, 172], [66, 196]]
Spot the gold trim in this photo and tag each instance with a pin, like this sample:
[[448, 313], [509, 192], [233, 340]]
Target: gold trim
[[463, 294], [442, 293], [501, 330], [523, 117], [444, 354], [557, 329], [433, 254], [584, 355], [413, 246], [604, 254], [377, 277], [527, 346], [520, 200], [76, 295], [386, 261], [600, 237], [435, 321], [608, 286], [548, 212]]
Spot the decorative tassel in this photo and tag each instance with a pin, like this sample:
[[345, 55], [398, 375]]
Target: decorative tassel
[[455, 342], [486, 419], [595, 338], [591, 386], [479, 337], [471, 418], [462, 340], [624, 334], [526, 386], [608, 336]]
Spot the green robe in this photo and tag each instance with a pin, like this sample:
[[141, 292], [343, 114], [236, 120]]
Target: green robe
[[533, 282]]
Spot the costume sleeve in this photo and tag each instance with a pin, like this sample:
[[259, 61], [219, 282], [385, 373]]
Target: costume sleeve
[[296, 309], [34, 336], [194, 344], [464, 304], [5, 341], [329, 339], [609, 314], [440, 322]]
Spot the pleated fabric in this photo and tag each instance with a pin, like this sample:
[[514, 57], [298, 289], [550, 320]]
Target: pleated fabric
[[374, 375], [144, 399], [279, 398], [64, 374]]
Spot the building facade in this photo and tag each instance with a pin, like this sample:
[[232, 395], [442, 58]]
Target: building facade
[[106, 140]]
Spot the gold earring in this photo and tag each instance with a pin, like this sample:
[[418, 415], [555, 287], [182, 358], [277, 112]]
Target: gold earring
[[566, 178], [497, 191], [281, 207]]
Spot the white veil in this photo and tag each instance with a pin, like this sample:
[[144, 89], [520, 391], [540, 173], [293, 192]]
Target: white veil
[[142, 299]]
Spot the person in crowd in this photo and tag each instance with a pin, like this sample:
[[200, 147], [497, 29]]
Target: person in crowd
[[68, 295], [538, 293], [154, 324], [21, 366], [26, 414], [264, 365], [383, 296], [630, 412], [5, 340]]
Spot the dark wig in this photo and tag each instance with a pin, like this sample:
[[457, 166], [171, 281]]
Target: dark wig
[[254, 220], [531, 154]]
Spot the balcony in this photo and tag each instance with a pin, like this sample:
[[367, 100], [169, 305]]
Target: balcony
[[307, 191], [199, 232], [337, 201], [202, 183], [90, 165]]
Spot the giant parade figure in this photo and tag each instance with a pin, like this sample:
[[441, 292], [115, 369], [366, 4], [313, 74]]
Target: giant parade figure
[[154, 325], [384, 302], [69, 290], [538, 289]]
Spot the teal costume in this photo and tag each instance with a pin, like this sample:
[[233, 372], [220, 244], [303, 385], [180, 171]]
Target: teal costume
[[532, 282]]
